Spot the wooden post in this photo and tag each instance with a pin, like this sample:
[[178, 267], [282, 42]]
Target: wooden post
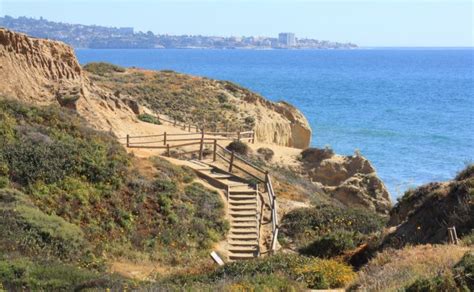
[[189, 128], [456, 240], [201, 147], [231, 164], [168, 153], [128, 140], [238, 136], [215, 150], [197, 128], [253, 137], [164, 139], [452, 235]]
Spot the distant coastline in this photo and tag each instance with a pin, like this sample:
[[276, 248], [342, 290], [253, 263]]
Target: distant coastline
[[100, 37]]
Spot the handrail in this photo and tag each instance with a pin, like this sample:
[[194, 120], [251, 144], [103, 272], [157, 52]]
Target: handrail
[[273, 206], [146, 142], [221, 154], [244, 160]]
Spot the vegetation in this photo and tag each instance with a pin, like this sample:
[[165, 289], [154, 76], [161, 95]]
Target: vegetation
[[149, 119], [70, 195], [197, 101], [269, 274], [25, 275], [394, 269], [102, 68], [238, 147], [315, 155], [266, 153], [459, 278], [327, 231], [466, 173]]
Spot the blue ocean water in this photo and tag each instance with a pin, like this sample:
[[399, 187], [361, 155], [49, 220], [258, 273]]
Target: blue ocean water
[[410, 111]]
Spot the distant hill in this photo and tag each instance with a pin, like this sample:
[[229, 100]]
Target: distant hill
[[101, 37]]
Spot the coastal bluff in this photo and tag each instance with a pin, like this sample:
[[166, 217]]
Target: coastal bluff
[[112, 98], [48, 72]]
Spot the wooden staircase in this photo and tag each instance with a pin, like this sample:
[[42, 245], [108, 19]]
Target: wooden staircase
[[243, 205]]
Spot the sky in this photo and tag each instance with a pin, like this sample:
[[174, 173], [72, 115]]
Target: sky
[[389, 23]]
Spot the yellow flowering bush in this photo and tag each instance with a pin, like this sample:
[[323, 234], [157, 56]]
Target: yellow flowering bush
[[323, 274]]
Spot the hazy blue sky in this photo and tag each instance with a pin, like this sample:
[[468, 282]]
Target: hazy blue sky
[[367, 23]]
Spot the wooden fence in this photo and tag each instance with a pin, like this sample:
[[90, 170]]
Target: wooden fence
[[197, 128], [231, 160]]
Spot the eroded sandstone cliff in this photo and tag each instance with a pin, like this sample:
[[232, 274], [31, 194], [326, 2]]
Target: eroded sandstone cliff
[[47, 72], [352, 180]]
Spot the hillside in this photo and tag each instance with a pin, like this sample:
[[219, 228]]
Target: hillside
[[79, 210]]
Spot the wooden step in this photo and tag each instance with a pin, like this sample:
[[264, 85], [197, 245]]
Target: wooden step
[[244, 219], [252, 230], [243, 213], [243, 207], [242, 197], [199, 163], [250, 242], [244, 225], [249, 191], [243, 236], [242, 202], [220, 176], [241, 249], [242, 256]]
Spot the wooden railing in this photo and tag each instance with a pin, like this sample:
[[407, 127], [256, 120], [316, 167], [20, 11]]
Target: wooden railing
[[167, 138], [231, 160], [190, 127]]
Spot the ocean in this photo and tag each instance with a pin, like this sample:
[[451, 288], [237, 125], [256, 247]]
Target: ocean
[[409, 111]]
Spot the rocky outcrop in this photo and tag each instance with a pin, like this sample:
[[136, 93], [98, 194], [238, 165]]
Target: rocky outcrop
[[281, 124], [47, 72], [36, 69], [352, 180]]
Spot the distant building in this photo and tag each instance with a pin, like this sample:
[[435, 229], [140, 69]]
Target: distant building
[[287, 39], [126, 30]]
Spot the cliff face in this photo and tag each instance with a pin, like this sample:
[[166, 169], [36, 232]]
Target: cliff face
[[352, 180], [36, 69], [47, 72]]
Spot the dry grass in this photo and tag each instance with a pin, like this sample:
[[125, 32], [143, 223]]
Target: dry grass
[[392, 269]]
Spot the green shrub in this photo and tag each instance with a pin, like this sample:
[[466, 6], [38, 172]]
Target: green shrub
[[333, 244], [464, 272], [102, 68], [249, 121], [149, 119], [238, 147], [312, 272], [25, 275], [305, 225], [33, 231], [4, 182], [438, 283], [267, 153], [223, 98], [468, 239], [466, 173], [315, 155]]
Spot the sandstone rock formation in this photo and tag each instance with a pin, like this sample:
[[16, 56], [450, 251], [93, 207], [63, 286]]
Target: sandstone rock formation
[[47, 72], [352, 180], [278, 123]]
